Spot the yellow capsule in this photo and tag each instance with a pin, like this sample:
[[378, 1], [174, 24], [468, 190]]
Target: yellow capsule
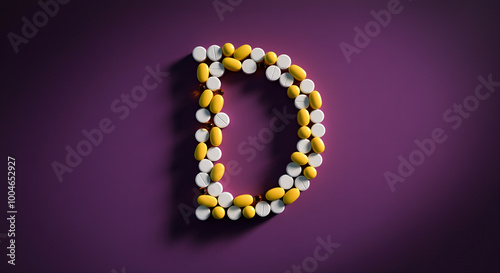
[[317, 145], [202, 72], [291, 195], [215, 136], [303, 117], [206, 97], [207, 201], [297, 72], [310, 172], [299, 158], [304, 132], [270, 58], [231, 64], [201, 151], [293, 91], [243, 200], [216, 104], [315, 100], [249, 212], [228, 49], [242, 52], [217, 172], [275, 193], [218, 212]]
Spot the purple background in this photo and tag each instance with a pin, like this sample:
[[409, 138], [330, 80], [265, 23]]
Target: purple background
[[119, 207]]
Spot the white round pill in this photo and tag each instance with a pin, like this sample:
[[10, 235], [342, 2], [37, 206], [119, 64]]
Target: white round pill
[[283, 61], [225, 199], [213, 83], [293, 169], [257, 54], [216, 69], [202, 213], [286, 79], [262, 209], [215, 189], [306, 86], [199, 54], [249, 66], [203, 115], [214, 53], [317, 116], [214, 153], [273, 73], [234, 213], [277, 206], [221, 120], [205, 165], [315, 160], [202, 180], [304, 146], [301, 102], [318, 130], [201, 135], [285, 181], [302, 183]]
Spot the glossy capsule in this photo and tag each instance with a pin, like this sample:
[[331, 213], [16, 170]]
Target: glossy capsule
[[216, 104], [207, 201], [217, 172], [231, 64], [215, 136], [304, 132], [206, 98], [218, 212], [201, 151], [297, 72], [202, 73], [242, 52], [317, 145], [310, 172], [228, 49], [291, 195], [299, 158], [249, 212], [270, 58], [293, 91], [275, 193], [243, 200], [315, 100], [303, 117]]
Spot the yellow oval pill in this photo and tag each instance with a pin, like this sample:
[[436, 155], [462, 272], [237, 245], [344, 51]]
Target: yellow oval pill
[[293, 91], [242, 52], [315, 100], [310, 172], [215, 136], [304, 132], [249, 212], [291, 195], [228, 49], [217, 172], [202, 72], [297, 72], [218, 212], [231, 64], [243, 200], [299, 158], [201, 151], [216, 104], [206, 97], [275, 193], [317, 145], [270, 58], [303, 117], [207, 201]]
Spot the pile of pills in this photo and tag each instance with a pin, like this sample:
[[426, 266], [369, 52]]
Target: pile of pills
[[214, 62]]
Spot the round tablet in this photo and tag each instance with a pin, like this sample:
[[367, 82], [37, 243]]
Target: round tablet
[[221, 120], [213, 83], [214, 53], [214, 153], [203, 115], [273, 73], [302, 183], [257, 54], [202, 180], [301, 102], [318, 130], [277, 206], [293, 169], [283, 61], [202, 134], [234, 213], [286, 79], [285, 181], [306, 86], [202, 213], [315, 160], [199, 54], [205, 165], [304, 146], [225, 199], [249, 66], [317, 116], [216, 69], [262, 208], [215, 189]]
